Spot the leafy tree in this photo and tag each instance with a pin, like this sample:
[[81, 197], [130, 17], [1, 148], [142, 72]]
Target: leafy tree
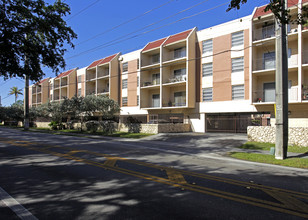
[[102, 105], [15, 91], [275, 6], [33, 34], [13, 113]]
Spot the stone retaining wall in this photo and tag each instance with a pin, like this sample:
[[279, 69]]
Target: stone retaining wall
[[144, 128], [297, 136], [160, 128]]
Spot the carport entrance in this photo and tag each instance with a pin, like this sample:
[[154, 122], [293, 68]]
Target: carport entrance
[[234, 123]]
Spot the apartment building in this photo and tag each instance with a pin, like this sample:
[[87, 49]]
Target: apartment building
[[220, 78], [63, 86], [264, 65], [39, 93], [102, 77]]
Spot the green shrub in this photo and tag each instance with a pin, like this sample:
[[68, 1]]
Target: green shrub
[[108, 127], [133, 124], [53, 125], [92, 126]]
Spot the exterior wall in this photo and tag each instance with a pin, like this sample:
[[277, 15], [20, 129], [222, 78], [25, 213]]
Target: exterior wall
[[114, 79], [222, 69], [81, 85], [132, 83], [131, 75], [30, 96], [72, 84], [191, 70], [246, 63], [297, 135], [197, 122]]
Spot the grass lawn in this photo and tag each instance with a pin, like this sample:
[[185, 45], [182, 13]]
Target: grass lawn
[[267, 146], [129, 135], [270, 159]]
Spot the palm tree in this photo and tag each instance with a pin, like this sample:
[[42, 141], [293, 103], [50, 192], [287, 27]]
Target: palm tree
[[15, 91]]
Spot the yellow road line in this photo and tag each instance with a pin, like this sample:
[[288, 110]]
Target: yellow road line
[[110, 162], [175, 176]]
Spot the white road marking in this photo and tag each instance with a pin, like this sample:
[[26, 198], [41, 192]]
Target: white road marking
[[19, 210]]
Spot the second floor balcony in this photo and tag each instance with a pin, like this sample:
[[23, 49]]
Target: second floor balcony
[[269, 63]]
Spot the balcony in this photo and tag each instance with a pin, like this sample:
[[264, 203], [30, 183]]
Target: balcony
[[176, 80], [102, 90], [305, 57], [90, 76], [264, 33], [268, 97], [270, 64], [152, 83], [102, 72], [150, 59], [177, 55], [174, 104], [64, 83]]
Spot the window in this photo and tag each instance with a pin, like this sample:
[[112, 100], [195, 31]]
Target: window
[[137, 81], [138, 63], [155, 58], [124, 84], [207, 46], [207, 69], [153, 119], [155, 100], [207, 94], [269, 92], [180, 74], [137, 99], [124, 101], [238, 39], [180, 98], [238, 64], [125, 67], [156, 79], [180, 52], [269, 60], [268, 30], [238, 92], [79, 92], [50, 96], [79, 79]]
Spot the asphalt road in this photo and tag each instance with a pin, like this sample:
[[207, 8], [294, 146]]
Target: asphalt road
[[46, 176]]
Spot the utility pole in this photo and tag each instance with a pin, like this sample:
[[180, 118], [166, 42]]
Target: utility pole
[[281, 145], [26, 103]]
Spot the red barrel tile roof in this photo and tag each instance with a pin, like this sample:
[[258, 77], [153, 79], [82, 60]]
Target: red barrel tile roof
[[102, 61], [178, 37], [66, 73], [260, 10], [154, 44]]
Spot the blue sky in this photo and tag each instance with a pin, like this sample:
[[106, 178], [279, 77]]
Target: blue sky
[[95, 19]]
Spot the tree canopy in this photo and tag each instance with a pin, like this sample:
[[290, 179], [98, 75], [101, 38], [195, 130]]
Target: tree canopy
[[275, 6], [33, 33]]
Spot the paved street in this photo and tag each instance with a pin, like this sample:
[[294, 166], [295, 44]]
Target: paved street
[[177, 176]]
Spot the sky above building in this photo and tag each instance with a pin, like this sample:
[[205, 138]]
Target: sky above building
[[108, 27]]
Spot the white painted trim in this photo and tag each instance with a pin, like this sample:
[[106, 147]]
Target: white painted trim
[[15, 206]]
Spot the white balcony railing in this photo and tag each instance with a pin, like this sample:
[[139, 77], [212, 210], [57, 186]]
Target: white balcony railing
[[264, 33], [267, 64]]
